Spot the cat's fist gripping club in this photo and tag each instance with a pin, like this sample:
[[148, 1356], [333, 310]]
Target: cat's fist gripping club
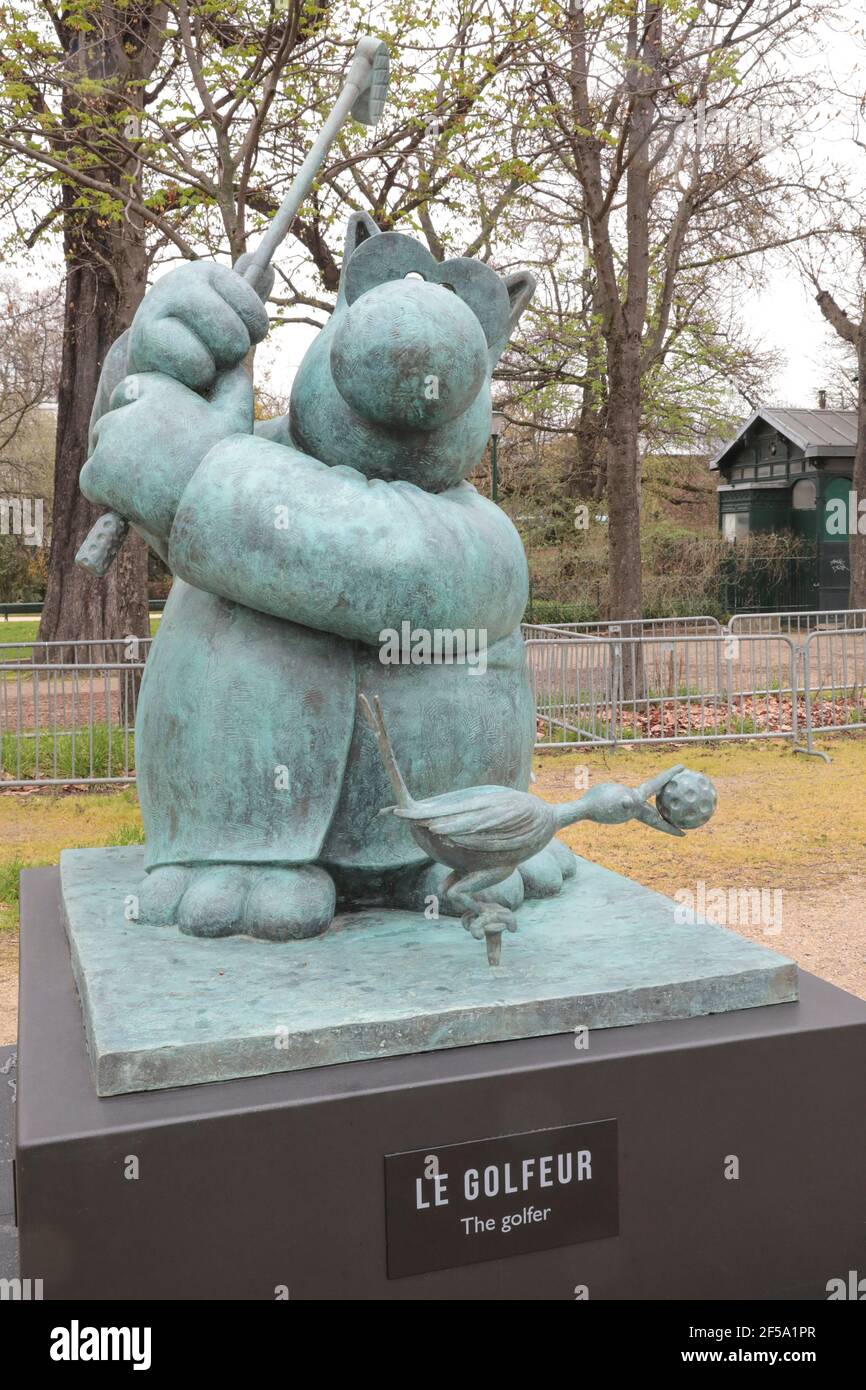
[[197, 321]]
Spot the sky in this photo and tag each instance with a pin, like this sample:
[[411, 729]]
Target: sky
[[787, 318], [783, 311]]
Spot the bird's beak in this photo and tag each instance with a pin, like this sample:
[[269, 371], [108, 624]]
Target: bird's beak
[[655, 784], [650, 816]]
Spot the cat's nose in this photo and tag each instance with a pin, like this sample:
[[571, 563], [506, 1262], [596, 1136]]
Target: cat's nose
[[409, 355]]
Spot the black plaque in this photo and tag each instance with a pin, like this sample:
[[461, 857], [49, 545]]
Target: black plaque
[[487, 1199]]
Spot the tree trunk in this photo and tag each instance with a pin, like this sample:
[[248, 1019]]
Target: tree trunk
[[106, 276], [586, 479], [623, 480], [105, 280], [857, 543]]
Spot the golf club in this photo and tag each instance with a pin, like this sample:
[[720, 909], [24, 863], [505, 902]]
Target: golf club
[[362, 97]]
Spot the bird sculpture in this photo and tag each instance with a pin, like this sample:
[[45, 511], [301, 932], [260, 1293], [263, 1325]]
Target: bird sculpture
[[483, 833]]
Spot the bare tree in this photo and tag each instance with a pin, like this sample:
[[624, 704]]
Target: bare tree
[[663, 119], [833, 263], [554, 380], [29, 351], [850, 325]]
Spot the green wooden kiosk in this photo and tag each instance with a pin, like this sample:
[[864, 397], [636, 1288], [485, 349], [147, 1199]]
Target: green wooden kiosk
[[780, 473]]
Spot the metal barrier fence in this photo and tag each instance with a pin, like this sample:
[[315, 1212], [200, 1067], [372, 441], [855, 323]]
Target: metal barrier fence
[[698, 626], [34, 610], [834, 680], [67, 711], [68, 721], [797, 623], [666, 689]]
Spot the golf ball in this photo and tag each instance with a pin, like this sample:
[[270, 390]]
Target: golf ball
[[687, 800]]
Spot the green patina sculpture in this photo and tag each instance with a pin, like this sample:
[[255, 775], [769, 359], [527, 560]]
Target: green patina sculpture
[[344, 628], [300, 548], [484, 833], [294, 548]]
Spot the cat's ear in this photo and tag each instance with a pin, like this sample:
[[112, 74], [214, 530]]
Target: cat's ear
[[521, 287], [359, 228]]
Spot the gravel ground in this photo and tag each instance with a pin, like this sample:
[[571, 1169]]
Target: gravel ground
[[8, 988]]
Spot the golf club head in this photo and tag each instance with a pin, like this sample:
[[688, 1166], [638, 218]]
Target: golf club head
[[368, 104]]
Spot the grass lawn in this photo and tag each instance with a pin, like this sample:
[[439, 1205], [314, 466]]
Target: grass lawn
[[784, 821], [36, 826], [71, 757], [24, 633], [780, 814]]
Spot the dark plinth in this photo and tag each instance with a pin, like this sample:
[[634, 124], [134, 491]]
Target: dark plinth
[[272, 1181]]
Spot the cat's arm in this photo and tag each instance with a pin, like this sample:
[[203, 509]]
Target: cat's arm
[[276, 530]]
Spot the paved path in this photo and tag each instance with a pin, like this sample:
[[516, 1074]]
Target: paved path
[[8, 1232]]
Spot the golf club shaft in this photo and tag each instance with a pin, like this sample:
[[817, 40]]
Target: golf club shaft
[[283, 218], [99, 550]]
